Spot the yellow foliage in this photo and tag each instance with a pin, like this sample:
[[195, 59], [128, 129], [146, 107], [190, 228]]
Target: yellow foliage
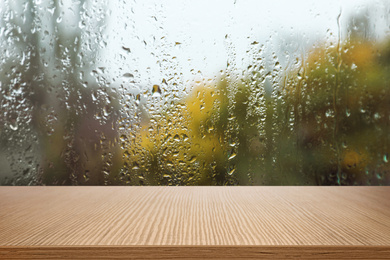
[[354, 159], [183, 136], [361, 55], [200, 104]]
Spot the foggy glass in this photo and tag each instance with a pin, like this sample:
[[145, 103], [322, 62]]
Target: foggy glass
[[194, 92]]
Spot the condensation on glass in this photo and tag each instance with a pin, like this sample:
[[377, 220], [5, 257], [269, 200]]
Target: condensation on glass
[[194, 92]]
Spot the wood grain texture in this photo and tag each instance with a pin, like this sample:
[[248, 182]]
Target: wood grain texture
[[197, 252], [195, 222]]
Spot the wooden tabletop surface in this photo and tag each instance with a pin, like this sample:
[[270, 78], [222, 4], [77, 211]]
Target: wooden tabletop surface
[[195, 222]]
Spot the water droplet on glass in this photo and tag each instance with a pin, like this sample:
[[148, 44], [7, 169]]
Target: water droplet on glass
[[128, 75], [14, 125], [231, 170], [156, 90], [232, 156], [127, 49]]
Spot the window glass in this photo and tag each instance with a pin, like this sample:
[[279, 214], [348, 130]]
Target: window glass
[[194, 92]]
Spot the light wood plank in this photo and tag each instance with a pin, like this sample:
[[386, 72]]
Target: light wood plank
[[276, 222], [197, 252]]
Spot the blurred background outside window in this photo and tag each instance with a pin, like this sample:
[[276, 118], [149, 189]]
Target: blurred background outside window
[[194, 92]]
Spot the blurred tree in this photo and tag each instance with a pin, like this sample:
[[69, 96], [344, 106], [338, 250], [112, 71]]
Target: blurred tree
[[329, 125], [340, 98], [70, 116]]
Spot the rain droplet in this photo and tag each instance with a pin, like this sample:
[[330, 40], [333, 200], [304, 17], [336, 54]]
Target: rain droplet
[[232, 155], [14, 125], [156, 90], [192, 159], [127, 49], [86, 175], [123, 138], [128, 75], [231, 170], [185, 137], [135, 166], [138, 99], [106, 110], [347, 112]]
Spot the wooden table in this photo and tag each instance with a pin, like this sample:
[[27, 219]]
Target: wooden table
[[195, 222]]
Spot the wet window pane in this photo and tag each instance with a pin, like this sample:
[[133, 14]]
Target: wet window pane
[[194, 92]]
